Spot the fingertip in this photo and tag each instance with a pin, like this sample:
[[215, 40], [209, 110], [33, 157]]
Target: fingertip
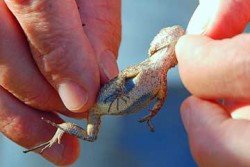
[[213, 135], [180, 46], [191, 55], [200, 20], [200, 121], [73, 96], [186, 111], [187, 44], [186, 50], [219, 19], [108, 66], [197, 113]]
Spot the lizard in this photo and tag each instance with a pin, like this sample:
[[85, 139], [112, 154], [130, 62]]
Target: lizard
[[133, 89]]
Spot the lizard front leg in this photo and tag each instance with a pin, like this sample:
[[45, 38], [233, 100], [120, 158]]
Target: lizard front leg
[[161, 96], [72, 129]]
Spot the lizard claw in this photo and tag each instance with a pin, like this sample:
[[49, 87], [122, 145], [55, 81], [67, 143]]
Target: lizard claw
[[44, 146], [56, 138], [149, 122]]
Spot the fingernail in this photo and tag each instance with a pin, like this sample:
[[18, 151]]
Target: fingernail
[[108, 65], [199, 22], [73, 96]]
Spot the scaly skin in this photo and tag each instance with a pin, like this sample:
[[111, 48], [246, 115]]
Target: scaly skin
[[133, 89]]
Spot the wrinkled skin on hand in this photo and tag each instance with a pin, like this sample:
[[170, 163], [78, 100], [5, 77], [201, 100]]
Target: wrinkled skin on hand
[[214, 64], [53, 57]]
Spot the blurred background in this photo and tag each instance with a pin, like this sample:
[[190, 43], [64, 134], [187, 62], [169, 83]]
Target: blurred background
[[123, 141]]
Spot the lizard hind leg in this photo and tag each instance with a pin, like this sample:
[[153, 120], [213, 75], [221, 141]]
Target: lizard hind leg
[[148, 118], [56, 138], [62, 128], [161, 96]]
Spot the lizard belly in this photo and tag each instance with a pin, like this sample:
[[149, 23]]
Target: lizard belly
[[132, 99]]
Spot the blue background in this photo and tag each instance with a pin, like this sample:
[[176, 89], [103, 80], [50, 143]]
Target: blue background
[[123, 141]]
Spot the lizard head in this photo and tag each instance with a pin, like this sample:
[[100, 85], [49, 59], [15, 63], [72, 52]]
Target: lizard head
[[167, 36]]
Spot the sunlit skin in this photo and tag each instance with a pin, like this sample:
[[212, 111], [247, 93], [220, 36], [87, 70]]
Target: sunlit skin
[[70, 45], [215, 65]]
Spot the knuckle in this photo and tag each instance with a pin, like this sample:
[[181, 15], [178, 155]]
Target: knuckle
[[26, 6], [243, 73], [241, 68], [56, 61], [36, 101], [31, 4], [47, 100]]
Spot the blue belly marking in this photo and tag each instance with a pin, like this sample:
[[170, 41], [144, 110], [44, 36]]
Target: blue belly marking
[[128, 86], [142, 102], [137, 105]]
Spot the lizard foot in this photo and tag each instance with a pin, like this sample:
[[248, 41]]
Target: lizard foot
[[56, 138], [44, 146], [148, 119], [62, 128]]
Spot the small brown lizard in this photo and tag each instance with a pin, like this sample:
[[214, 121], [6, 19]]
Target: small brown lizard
[[133, 89]]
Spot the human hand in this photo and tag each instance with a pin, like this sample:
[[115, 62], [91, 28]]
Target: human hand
[[63, 54], [214, 66]]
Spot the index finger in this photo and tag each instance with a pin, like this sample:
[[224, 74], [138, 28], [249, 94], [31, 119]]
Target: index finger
[[215, 68], [220, 19]]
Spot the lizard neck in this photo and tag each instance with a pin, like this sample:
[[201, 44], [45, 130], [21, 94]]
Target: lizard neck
[[165, 58]]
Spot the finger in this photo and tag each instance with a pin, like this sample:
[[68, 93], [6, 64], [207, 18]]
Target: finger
[[18, 74], [215, 139], [238, 109], [60, 48], [24, 126], [220, 19], [215, 69], [102, 24]]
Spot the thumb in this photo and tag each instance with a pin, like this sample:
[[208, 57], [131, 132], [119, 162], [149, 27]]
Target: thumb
[[220, 19], [61, 49]]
